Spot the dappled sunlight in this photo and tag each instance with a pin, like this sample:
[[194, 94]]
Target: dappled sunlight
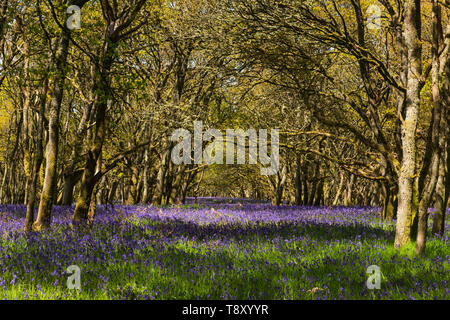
[[254, 251]]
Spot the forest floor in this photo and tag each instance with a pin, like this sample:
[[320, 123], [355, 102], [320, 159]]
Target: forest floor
[[218, 251]]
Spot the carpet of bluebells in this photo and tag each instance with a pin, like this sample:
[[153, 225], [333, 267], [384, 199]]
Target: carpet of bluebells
[[216, 250]]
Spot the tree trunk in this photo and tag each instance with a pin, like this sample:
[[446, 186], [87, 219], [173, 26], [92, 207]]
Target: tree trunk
[[348, 191], [112, 192], [51, 153], [439, 205], [389, 202], [103, 92], [298, 183], [406, 202], [443, 184], [158, 198], [437, 134], [133, 190], [305, 187], [38, 157], [339, 190], [146, 184]]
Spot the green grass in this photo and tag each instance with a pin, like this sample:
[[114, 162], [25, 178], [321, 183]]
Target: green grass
[[170, 265]]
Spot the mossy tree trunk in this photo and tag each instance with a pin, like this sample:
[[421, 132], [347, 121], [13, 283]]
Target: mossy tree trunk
[[51, 153], [406, 207]]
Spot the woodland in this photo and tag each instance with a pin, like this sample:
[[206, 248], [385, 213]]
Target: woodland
[[358, 89]]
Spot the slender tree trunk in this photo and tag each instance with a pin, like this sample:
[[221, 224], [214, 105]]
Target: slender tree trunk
[[27, 124], [93, 204], [348, 192], [437, 133], [339, 190], [146, 186], [318, 198], [100, 194], [158, 198], [133, 190], [406, 206], [112, 192], [443, 184], [38, 157], [11, 184], [314, 183], [51, 153], [70, 180], [439, 205], [298, 183], [4, 185], [102, 90], [389, 202], [305, 186]]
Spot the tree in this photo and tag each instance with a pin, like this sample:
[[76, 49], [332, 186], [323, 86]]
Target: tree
[[58, 71], [119, 24]]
